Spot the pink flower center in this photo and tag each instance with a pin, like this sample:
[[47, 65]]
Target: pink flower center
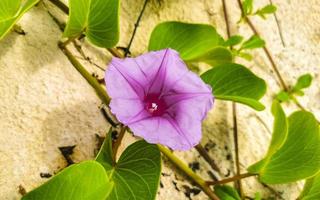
[[154, 105]]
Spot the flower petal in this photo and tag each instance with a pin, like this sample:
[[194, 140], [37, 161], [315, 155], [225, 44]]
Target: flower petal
[[164, 130], [128, 110], [170, 71]]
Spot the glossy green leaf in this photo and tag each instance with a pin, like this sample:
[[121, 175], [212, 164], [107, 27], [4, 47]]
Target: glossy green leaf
[[226, 192], [233, 40], [303, 82], [194, 42], [8, 9], [6, 25], [311, 190], [235, 82], [87, 181], [268, 9], [136, 174], [245, 55], [298, 157], [97, 19], [253, 42]]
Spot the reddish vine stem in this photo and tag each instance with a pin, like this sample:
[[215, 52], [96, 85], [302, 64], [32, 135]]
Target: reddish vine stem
[[234, 112], [202, 151], [232, 179]]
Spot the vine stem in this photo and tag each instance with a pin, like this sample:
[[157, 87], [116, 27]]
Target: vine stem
[[127, 50], [202, 151], [234, 112], [117, 143], [105, 99], [232, 179], [182, 166]]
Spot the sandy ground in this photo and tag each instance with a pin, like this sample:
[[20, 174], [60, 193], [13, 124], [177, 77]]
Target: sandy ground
[[45, 103]]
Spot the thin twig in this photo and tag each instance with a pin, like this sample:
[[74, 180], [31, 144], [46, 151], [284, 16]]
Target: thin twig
[[236, 146], [234, 111], [232, 179], [207, 157], [127, 50], [86, 58], [117, 143], [279, 27], [226, 18]]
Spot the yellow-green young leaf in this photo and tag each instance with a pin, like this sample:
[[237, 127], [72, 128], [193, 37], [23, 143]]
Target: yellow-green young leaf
[[6, 25], [8, 9], [298, 157], [194, 42], [97, 19], [311, 190], [283, 96], [253, 42], [235, 82], [136, 174], [87, 181], [303, 82], [226, 192], [247, 7], [268, 9], [233, 40]]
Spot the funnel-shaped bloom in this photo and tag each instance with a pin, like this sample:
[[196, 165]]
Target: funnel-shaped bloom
[[158, 98]]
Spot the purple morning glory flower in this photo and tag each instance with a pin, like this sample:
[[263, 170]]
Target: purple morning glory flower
[[158, 98]]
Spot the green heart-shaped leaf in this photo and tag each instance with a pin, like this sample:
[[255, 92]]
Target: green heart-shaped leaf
[[87, 181], [311, 188], [235, 82], [98, 19], [7, 24], [194, 42], [294, 152], [136, 174]]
